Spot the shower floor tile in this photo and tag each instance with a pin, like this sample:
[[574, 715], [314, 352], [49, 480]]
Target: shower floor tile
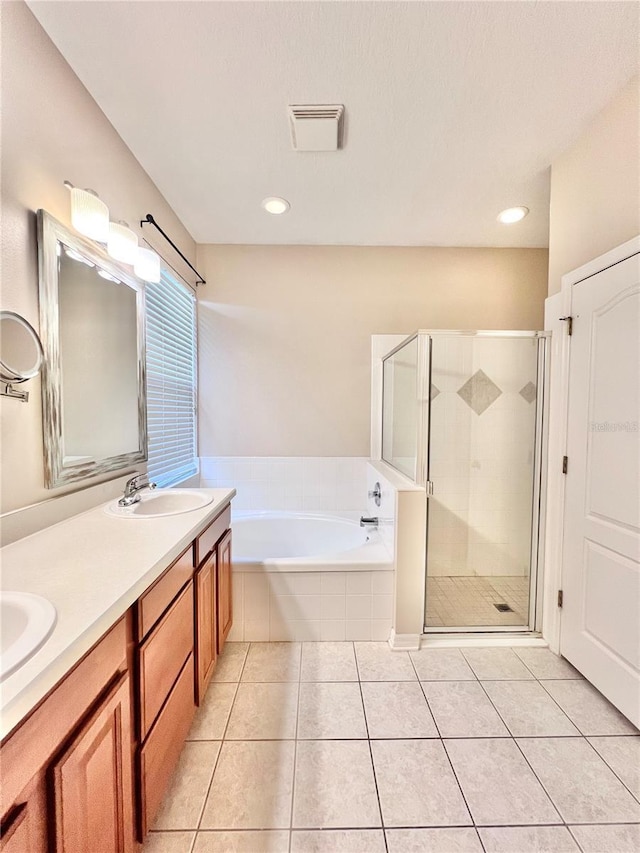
[[466, 601], [484, 756]]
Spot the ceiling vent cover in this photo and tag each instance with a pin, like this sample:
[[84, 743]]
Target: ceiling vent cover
[[316, 127]]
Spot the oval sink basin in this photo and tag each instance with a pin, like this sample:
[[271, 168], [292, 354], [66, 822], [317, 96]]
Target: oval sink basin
[[26, 622], [164, 502]]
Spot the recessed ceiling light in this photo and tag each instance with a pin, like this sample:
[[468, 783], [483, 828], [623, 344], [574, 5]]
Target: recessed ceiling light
[[275, 205], [512, 214]]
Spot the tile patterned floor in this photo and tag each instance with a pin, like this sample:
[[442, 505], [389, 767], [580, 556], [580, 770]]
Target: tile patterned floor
[[468, 601], [353, 748]]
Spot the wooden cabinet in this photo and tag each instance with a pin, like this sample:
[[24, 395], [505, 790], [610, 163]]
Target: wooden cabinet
[[87, 770], [92, 781], [75, 749], [225, 589], [206, 624]]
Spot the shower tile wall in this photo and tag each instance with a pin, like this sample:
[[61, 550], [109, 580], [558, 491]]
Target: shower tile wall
[[482, 440], [291, 483]]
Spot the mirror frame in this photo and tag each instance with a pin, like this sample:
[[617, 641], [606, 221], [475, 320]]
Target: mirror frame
[[50, 232]]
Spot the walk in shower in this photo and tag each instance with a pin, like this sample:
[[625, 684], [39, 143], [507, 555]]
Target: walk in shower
[[463, 416]]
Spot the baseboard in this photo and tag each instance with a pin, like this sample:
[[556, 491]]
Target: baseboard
[[404, 642]]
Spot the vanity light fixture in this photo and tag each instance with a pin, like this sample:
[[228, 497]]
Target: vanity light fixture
[[147, 265], [122, 243], [512, 214], [89, 215], [275, 205]]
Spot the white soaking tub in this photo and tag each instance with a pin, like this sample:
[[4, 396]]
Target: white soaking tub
[[308, 576], [305, 542]]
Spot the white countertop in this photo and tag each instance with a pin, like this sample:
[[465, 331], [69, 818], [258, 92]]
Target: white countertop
[[92, 567]]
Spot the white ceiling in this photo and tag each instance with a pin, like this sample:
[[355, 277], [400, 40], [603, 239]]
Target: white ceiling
[[454, 110]]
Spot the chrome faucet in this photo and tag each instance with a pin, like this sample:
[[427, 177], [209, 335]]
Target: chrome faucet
[[368, 522], [133, 487]]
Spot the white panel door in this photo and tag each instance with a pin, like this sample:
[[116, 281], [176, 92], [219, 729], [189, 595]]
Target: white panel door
[[600, 630]]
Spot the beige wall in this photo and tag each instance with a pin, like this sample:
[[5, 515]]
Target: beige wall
[[285, 333], [595, 188], [52, 130]]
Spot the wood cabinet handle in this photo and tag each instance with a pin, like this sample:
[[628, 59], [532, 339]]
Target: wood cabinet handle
[[11, 822]]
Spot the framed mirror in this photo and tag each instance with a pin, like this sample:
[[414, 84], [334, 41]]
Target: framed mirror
[[93, 381]]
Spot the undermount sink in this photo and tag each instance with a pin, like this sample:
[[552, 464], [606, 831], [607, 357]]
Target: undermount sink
[[26, 622], [164, 502]]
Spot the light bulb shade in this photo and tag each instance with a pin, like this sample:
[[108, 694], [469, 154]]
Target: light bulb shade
[[122, 243], [89, 215], [147, 265]]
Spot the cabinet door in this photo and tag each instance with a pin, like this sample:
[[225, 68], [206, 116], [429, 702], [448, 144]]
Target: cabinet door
[[225, 597], [92, 782], [206, 625]]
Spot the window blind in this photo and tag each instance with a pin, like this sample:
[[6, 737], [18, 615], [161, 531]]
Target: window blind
[[171, 381]]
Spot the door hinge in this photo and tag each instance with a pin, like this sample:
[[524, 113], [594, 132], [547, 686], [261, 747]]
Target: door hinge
[[569, 321], [560, 598], [429, 488], [565, 464]]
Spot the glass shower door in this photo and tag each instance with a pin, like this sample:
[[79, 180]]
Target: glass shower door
[[483, 459]]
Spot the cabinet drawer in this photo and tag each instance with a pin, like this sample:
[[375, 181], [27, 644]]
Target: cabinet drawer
[[162, 655], [155, 601], [205, 543], [159, 755]]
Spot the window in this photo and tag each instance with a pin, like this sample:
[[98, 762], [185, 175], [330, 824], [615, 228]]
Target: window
[[171, 381]]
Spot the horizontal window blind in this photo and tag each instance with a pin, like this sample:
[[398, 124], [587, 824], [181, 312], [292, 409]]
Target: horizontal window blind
[[171, 381]]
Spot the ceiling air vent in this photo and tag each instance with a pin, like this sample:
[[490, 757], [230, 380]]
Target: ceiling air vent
[[316, 127]]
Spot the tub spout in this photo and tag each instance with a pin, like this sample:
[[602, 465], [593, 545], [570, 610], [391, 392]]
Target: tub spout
[[368, 522]]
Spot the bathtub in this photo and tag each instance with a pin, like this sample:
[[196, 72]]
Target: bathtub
[[309, 576], [305, 542]]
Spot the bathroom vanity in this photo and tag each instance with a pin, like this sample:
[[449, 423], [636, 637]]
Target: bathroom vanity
[[94, 722]]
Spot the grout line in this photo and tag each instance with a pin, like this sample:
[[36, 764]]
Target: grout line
[[444, 749], [295, 750], [222, 741], [519, 748], [606, 763]]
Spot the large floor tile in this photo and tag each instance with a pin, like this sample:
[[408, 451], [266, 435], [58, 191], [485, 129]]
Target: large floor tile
[[328, 662], [528, 839], [588, 709], [211, 718], [461, 709], [441, 665], [578, 781], [528, 710], [183, 802], [331, 710], [622, 754], [397, 709], [338, 841], [376, 662], [416, 785], [498, 785], [252, 786], [168, 842], [264, 712], [247, 841], [230, 663], [543, 663], [334, 785], [608, 839], [459, 840], [496, 663], [272, 662]]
